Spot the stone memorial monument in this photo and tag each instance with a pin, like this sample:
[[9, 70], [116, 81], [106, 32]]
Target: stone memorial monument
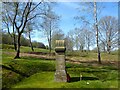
[[60, 74]]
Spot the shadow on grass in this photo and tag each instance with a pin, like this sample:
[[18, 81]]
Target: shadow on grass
[[14, 70], [76, 79], [37, 58]]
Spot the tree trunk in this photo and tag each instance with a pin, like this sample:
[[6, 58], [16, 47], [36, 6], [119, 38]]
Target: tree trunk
[[104, 48], [30, 42], [18, 47], [13, 37], [15, 46], [31, 46], [88, 45], [108, 46], [14, 42], [50, 46], [50, 38], [96, 27], [50, 43]]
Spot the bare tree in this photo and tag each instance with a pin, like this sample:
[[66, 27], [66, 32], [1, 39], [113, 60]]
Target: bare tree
[[22, 13], [78, 37], [69, 43], [49, 24], [91, 10], [96, 28], [108, 26], [8, 22], [74, 36], [28, 32], [89, 38]]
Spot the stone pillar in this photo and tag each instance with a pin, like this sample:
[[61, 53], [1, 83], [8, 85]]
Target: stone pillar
[[60, 74]]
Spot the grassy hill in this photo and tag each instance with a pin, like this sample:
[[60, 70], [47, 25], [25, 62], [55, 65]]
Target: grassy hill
[[34, 71]]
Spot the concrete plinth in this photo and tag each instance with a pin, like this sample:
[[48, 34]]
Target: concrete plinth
[[60, 74]]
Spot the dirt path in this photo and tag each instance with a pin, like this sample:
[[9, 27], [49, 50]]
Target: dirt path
[[72, 60], [38, 56], [68, 59]]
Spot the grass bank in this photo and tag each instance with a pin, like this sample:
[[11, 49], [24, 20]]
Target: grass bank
[[32, 72]]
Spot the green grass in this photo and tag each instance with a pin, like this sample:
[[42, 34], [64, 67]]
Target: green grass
[[6, 58], [113, 56], [6, 47], [25, 65], [39, 80], [40, 72], [28, 49], [46, 80]]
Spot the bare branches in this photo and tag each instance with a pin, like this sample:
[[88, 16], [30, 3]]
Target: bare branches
[[108, 28], [16, 12], [36, 15], [23, 15], [35, 7], [19, 17]]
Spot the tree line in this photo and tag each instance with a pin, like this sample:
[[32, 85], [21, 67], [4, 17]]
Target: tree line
[[26, 17], [6, 39]]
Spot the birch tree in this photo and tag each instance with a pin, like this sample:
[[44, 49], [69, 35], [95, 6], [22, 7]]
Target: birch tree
[[96, 28], [90, 17]]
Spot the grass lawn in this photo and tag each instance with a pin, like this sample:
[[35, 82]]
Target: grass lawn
[[32, 72], [46, 80]]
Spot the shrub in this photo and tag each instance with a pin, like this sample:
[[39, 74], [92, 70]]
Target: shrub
[[5, 46]]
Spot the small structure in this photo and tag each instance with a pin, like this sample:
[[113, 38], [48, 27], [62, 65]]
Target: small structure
[[60, 74]]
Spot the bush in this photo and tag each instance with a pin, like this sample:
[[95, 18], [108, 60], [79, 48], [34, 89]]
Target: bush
[[5, 46], [38, 45], [7, 39]]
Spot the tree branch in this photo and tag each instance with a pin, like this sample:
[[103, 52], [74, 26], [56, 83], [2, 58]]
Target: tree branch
[[23, 14], [26, 16], [35, 7], [16, 12], [34, 16]]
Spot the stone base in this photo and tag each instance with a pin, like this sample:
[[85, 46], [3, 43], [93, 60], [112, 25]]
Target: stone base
[[60, 76]]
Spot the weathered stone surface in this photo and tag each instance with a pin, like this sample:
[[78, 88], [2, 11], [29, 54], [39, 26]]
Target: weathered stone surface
[[60, 62], [60, 74], [60, 46]]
